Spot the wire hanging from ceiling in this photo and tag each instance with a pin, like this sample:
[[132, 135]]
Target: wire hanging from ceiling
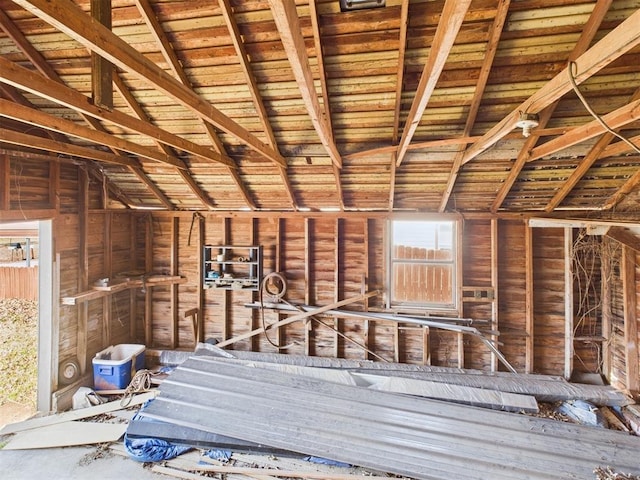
[[572, 78]]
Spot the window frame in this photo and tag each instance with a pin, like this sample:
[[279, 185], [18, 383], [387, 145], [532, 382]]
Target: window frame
[[455, 262]]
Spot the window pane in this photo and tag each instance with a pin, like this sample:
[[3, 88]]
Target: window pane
[[422, 262]]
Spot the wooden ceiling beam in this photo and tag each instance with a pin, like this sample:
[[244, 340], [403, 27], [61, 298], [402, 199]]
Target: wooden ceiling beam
[[101, 68], [588, 33], [616, 43], [324, 90], [151, 185], [258, 103], [450, 22], [618, 148], [629, 186], [625, 237], [117, 193], [485, 69], [402, 48], [35, 117], [71, 20], [32, 82], [38, 61], [616, 119], [39, 143], [583, 167], [149, 16], [288, 25], [142, 115]]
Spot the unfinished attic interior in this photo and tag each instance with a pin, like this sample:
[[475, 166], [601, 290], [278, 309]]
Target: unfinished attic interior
[[422, 207]]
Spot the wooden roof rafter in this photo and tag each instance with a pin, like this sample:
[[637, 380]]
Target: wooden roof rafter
[[288, 25], [616, 119], [324, 90], [141, 114], [63, 95], [71, 20], [149, 17], [585, 164], [38, 61], [402, 48], [243, 57], [37, 118], [449, 25], [616, 43], [97, 172], [485, 69]]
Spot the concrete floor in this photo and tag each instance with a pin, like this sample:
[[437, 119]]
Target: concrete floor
[[70, 463]]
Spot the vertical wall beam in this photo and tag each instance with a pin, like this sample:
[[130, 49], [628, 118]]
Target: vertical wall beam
[[133, 229], [54, 185], [630, 320], [83, 266], [605, 293], [5, 174], [200, 273], [336, 283], [528, 320], [175, 241], [253, 315], [280, 267], [108, 269], [568, 305], [148, 291], [366, 329], [494, 286], [308, 330], [224, 307]]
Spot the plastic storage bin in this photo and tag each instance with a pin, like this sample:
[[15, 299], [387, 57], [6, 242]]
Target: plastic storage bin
[[114, 367]]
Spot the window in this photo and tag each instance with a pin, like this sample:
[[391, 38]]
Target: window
[[423, 263]]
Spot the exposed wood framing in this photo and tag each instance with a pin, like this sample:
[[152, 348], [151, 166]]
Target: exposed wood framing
[[625, 237], [107, 300], [45, 69], [631, 355], [101, 69], [32, 82], [159, 194], [171, 57], [402, 47], [494, 286], [174, 267], [450, 22], [70, 19], [492, 48], [5, 178], [148, 292], [337, 282], [568, 302], [629, 186], [96, 172], [133, 248], [617, 42], [616, 119], [529, 310], [308, 285], [141, 114], [607, 319], [288, 24], [366, 329], [83, 266]]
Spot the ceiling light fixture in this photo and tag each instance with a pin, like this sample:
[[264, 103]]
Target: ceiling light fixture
[[347, 5], [526, 122]]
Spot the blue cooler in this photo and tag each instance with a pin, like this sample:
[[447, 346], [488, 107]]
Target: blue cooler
[[114, 367]]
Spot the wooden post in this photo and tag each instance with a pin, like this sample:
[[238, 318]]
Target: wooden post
[[308, 326], [630, 320], [494, 286], [83, 266], [175, 322], [200, 252], [133, 228], [108, 267], [148, 291], [529, 339], [224, 307], [605, 293], [54, 186], [568, 305], [279, 267], [5, 176], [101, 69], [336, 284], [366, 329], [253, 317]]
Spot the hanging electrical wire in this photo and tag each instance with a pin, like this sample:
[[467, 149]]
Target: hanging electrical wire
[[572, 78]]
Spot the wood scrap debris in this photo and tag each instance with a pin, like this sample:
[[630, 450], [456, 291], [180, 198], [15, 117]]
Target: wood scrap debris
[[607, 473]]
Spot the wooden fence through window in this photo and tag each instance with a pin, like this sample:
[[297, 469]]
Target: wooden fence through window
[[19, 282], [421, 282]]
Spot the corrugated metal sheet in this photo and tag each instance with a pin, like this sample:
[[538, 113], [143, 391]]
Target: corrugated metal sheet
[[410, 436]]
